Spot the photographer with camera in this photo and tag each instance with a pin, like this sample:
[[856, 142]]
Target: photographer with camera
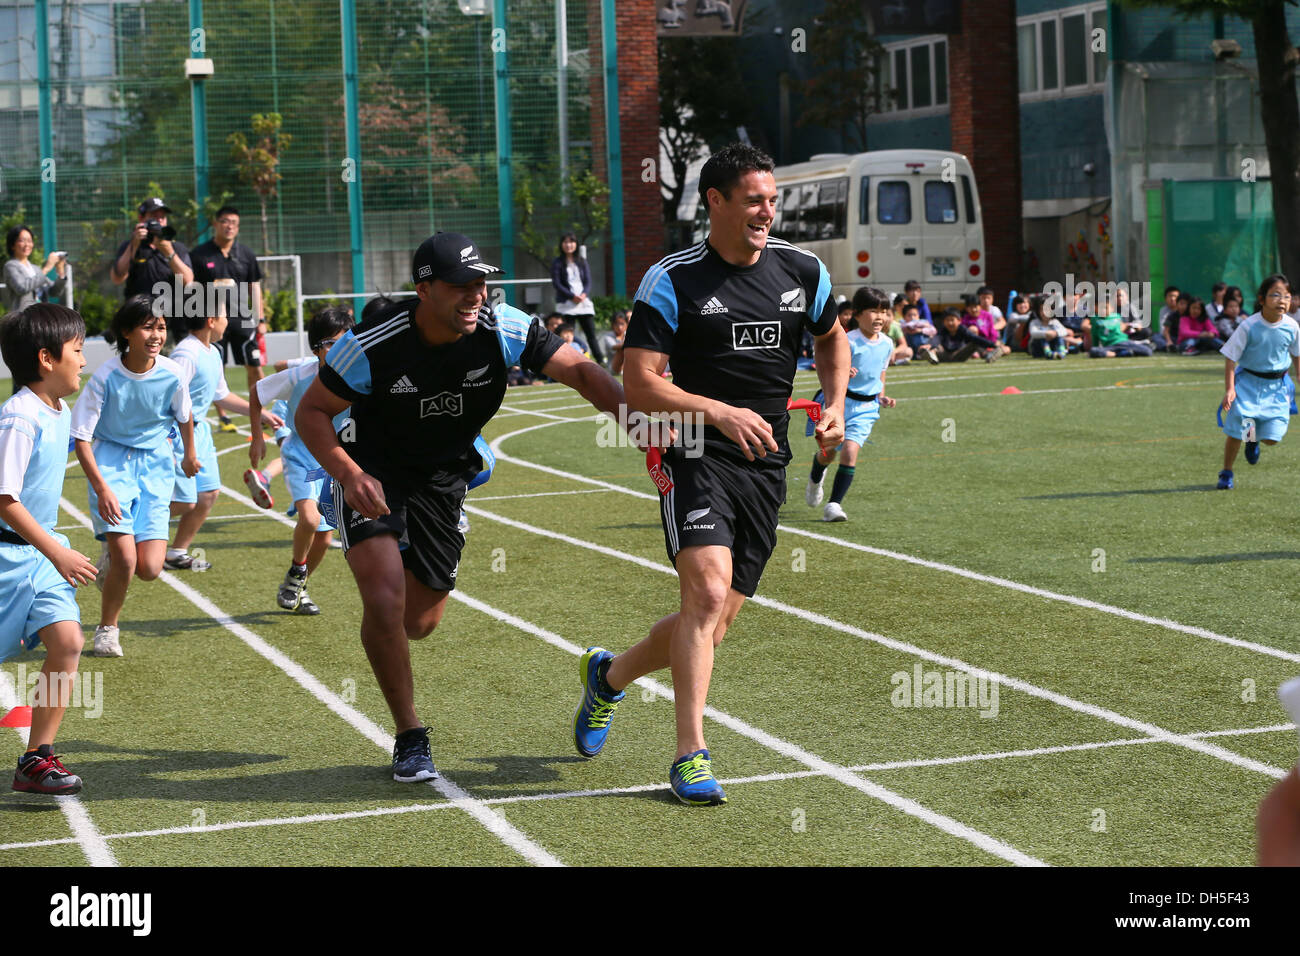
[[152, 256]]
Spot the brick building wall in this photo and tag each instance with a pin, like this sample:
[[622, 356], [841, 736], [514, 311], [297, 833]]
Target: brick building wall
[[638, 90], [984, 111]]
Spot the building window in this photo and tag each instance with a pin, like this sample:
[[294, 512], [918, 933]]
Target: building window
[[1056, 52], [916, 75]]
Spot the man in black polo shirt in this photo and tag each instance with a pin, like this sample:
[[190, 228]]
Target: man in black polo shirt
[[729, 313], [145, 261], [422, 377], [224, 257]]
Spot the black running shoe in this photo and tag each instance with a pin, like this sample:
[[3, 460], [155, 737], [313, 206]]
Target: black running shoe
[[412, 760]]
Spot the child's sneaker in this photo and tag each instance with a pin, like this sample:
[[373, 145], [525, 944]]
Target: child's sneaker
[[184, 561], [292, 590], [1252, 442], [44, 773], [692, 781], [834, 512], [1225, 480], [932, 356], [108, 641], [227, 425], [306, 605], [463, 524], [259, 488], [813, 493], [992, 355]]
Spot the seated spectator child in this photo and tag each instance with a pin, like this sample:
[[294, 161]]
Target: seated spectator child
[[1229, 319], [1174, 320], [1018, 321], [912, 294], [1109, 335], [569, 336], [982, 324], [985, 297], [611, 343], [956, 342], [1171, 305], [915, 329], [1215, 306], [1048, 336], [1196, 333]]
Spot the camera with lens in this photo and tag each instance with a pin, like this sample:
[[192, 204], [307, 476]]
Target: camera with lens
[[155, 229]]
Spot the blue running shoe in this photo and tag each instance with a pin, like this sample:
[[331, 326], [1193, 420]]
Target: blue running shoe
[[1252, 452], [691, 778], [1225, 480], [595, 710], [412, 761]]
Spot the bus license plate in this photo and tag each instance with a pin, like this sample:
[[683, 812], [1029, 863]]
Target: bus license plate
[[943, 267]]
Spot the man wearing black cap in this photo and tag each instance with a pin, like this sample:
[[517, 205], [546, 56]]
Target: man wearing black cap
[[152, 256], [423, 377]]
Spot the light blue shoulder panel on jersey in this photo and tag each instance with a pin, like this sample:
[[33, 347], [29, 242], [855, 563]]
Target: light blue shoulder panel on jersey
[[823, 291], [348, 358], [512, 331], [656, 290]]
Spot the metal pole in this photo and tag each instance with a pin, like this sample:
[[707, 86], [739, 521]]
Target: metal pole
[[562, 92], [505, 181], [297, 294], [67, 289], [349, 18], [49, 217], [199, 120], [614, 147]]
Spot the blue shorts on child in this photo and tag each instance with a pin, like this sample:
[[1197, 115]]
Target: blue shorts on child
[[298, 479], [186, 489], [32, 596], [1265, 400], [859, 419], [142, 479]]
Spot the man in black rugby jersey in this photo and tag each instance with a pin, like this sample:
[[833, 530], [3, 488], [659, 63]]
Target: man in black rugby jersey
[[422, 378], [728, 313]]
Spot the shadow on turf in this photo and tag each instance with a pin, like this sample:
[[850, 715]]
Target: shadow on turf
[[507, 773], [1125, 493], [140, 774], [1221, 558]]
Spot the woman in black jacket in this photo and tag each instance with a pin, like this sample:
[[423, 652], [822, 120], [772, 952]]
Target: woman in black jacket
[[571, 278]]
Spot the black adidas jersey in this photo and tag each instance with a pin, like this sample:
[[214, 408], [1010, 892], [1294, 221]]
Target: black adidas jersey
[[732, 333], [417, 408]]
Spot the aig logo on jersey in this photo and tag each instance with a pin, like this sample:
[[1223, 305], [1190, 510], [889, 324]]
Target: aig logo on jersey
[[756, 335], [444, 403], [794, 301]]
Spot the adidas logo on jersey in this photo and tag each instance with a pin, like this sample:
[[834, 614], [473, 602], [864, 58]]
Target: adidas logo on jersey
[[713, 307], [402, 385], [793, 301]]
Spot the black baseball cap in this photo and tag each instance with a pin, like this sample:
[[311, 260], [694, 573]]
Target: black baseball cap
[[153, 204], [451, 257]]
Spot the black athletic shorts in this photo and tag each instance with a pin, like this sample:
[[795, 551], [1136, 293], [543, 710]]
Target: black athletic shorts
[[424, 523], [239, 347], [717, 500]]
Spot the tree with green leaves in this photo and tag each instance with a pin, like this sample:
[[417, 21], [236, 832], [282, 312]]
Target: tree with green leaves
[[846, 88], [702, 100], [1276, 57], [259, 164], [543, 216]]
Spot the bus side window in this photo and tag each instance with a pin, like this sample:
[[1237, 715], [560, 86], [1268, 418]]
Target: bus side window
[[840, 213], [969, 196], [809, 217], [894, 202], [864, 202], [787, 215]]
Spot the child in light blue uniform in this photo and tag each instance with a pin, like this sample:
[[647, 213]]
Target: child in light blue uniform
[[871, 352], [121, 424], [311, 535], [42, 346], [193, 496], [1256, 404]]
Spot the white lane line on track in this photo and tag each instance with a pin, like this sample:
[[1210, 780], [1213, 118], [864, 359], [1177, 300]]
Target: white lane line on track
[[494, 822], [1151, 730], [85, 833], [1165, 623]]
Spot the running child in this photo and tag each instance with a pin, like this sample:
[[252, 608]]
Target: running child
[[1256, 404], [121, 424], [312, 533], [193, 496], [871, 351], [42, 347]]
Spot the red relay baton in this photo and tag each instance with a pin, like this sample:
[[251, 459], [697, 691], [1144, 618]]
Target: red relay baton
[[654, 457]]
